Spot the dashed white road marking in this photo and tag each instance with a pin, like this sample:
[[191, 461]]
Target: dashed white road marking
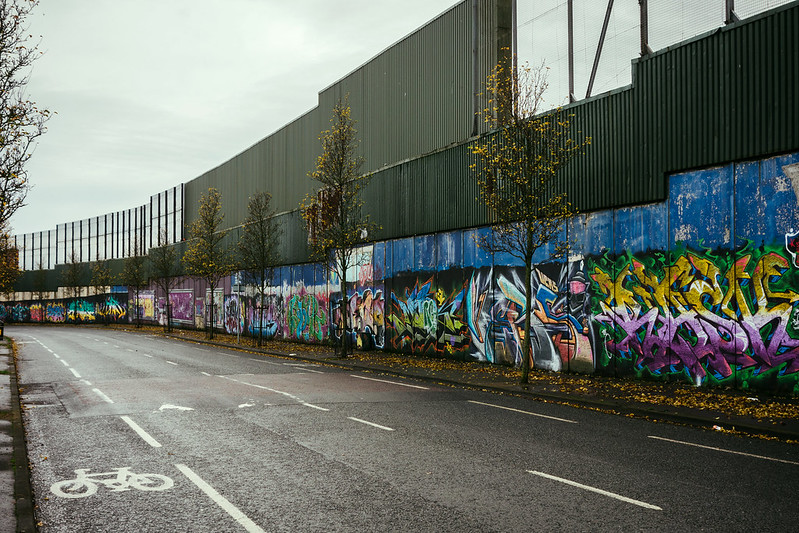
[[764, 457], [391, 382], [147, 355], [205, 374], [598, 491], [102, 396], [312, 406], [74, 372], [143, 434], [386, 428], [64, 362], [170, 363], [86, 382], [220, 500], [523, 412]]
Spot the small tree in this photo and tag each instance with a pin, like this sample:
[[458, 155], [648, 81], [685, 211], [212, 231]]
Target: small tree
[[206, 257], [9, 262], [72, 279], [21, 122], [102, 279], [258, 248], [334, 217], [134, 275], [517, 172], [164, 269]]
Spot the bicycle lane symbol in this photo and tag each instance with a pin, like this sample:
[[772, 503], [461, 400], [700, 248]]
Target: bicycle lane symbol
[[118, 480]]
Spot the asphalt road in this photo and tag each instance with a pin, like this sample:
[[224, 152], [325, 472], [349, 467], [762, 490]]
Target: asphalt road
[[164, 435]]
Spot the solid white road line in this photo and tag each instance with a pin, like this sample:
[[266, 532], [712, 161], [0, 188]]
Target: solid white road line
[[143, 434], [75, 373], [220, 500], [102, 395], [391, 382], [523, 412], [725, 451], [598, 491], [370, 423]]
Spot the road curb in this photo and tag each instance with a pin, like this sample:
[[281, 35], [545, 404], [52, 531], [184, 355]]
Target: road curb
[[23, 491]]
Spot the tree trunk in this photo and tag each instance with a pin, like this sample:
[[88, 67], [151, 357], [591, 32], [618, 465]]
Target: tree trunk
[[528, 300], [213, 317], [343, 308], [261, 323]]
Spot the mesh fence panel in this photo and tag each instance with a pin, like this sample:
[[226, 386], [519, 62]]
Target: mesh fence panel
[[543, 36]]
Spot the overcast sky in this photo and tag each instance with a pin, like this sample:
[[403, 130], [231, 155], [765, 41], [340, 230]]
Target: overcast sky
[[153, 93]]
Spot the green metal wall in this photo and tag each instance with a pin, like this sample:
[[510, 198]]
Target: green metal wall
[[411, 99]]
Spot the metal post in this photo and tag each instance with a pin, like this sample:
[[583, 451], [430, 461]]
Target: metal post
[[570, 11], [599, 48], [730, 14], [645, 49]]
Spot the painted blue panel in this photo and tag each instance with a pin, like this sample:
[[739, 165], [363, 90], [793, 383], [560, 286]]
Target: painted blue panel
[[596, 233], [449, 250], [403, 255], [296, 274], [320, 275], [700, 208], [473, 255], [308, 275], [641, 228], [748, 204], [779, 186], [545, 253], [379, 260], [424, 252]]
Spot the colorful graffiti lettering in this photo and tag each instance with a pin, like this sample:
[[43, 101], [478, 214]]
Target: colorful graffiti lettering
[[272, 317], [306, 318], [425, 320], [38, 312], [56, 312], [719, 317], [80, 311]]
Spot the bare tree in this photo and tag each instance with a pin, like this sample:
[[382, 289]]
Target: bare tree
[[134, 275], [164, 269], [9, 262], [334, 216], [21, 121], [102, 279], [517, 172], [258, 249], [72, 279], [206, 256]]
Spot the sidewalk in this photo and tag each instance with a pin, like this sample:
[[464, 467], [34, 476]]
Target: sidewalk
[[733, 411]]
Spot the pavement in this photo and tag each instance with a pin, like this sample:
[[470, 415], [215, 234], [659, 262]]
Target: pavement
[[745, 413]]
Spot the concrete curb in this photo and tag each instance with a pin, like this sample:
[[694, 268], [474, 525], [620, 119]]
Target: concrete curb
[[23, 491]]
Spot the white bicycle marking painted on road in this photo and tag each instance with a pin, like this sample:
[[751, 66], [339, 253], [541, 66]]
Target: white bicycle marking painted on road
[[118, 480]]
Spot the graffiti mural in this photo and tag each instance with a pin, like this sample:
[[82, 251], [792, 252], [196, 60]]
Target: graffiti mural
[[273, 317], [80, 311], [722, 318], [234, 314], [182, 303], [560, 322], [56, 312], [306, 317], [366, 326], [38, 312], [428, 319]]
